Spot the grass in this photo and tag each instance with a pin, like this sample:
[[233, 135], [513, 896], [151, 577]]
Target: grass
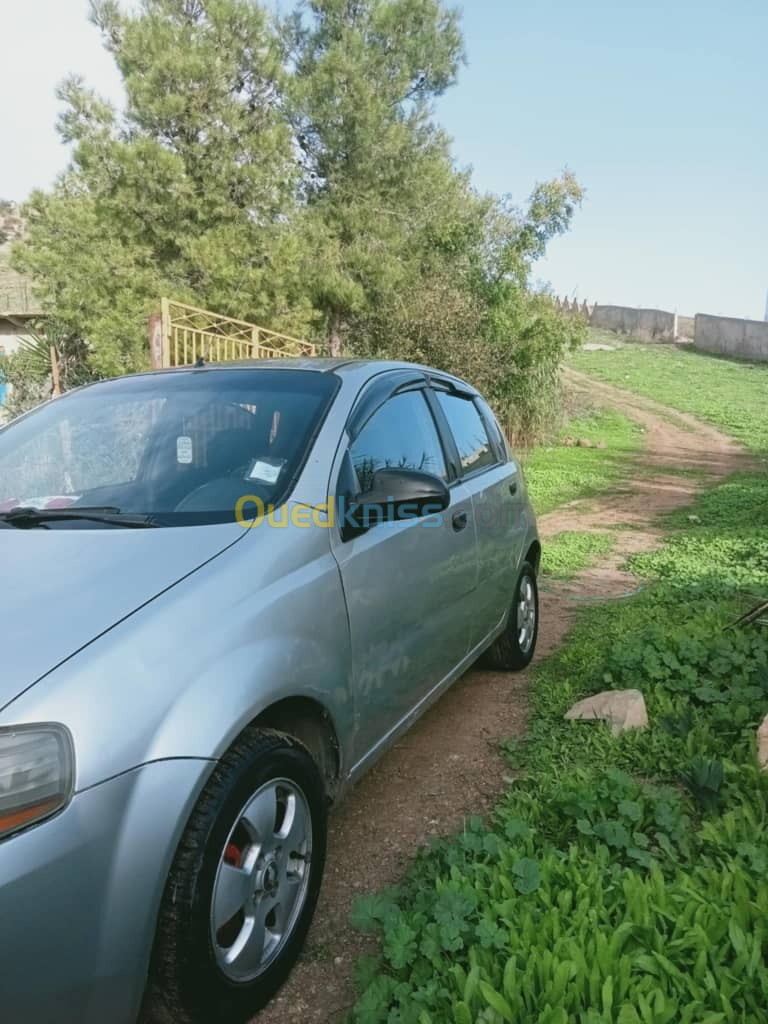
[[556, 474], [721, 540], [620, 880], [573, 550], [731, 395]]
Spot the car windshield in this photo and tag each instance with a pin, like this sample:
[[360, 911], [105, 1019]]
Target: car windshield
[[179, 448]]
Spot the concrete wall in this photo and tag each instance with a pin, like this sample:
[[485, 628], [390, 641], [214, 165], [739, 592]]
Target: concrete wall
[[645, 324], [10, 337], [727, 336], [720, 335]]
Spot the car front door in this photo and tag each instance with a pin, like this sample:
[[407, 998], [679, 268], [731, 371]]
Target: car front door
[[407, 584], [493, 482]]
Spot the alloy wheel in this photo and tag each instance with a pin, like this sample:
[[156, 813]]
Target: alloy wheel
[[526, 614], [262, 880]]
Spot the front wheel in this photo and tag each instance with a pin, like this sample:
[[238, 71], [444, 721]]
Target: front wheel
[[514, 649], [243, 887]]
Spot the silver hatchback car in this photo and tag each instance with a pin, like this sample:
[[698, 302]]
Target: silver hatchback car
[[224, 592]]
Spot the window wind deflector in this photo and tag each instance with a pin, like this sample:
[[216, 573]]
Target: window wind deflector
[[452, 387], [378, 391]]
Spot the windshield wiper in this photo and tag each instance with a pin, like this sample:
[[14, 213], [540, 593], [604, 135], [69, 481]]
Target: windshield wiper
[[23, 517]]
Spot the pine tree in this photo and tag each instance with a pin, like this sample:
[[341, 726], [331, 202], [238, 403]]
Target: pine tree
[[293, 173], [383, 195], [192, 190]]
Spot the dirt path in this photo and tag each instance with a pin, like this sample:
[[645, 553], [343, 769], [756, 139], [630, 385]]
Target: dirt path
[[448, 765]]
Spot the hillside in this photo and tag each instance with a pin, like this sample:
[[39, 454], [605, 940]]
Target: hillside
[[729, 394]]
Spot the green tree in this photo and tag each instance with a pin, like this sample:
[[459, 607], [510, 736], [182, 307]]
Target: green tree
[[415, 264], [473, 312], [292, 172], [384, 201], [522, 336], [190, 191]]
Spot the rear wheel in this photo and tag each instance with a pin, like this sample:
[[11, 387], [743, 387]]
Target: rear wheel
[[243, 886], [515, 648]]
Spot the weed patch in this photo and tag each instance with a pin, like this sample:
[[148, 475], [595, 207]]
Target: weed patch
[[620, 880], [557, 473], [572, 550], [721, 540]]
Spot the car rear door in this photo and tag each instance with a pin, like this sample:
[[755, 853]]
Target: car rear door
[[492, 479], [408, 585]]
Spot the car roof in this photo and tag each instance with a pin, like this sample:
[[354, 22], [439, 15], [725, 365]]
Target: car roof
[[359, 369]]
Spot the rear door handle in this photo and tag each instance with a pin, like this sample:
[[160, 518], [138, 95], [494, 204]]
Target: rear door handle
[[460, 521], [513, 487]]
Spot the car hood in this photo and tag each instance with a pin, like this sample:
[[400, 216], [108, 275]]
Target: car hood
[[62, 588]]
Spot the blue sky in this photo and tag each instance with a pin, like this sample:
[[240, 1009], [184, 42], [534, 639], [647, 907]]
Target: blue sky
[[661, 110]]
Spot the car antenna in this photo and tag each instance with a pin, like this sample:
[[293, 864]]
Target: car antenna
[[199, 363]]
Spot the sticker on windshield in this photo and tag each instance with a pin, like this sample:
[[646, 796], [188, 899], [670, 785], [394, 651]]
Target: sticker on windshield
[[266, 471], [184, 450]]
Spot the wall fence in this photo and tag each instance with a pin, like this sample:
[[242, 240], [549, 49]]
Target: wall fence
[[719, 335]]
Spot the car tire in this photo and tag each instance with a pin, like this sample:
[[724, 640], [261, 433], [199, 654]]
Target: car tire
[[514, 649], [243, 886]]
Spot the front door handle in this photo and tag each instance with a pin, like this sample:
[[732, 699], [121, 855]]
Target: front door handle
[[460, 521]]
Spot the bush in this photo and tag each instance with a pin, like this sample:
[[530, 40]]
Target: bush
[[28, 370], [29, 383]]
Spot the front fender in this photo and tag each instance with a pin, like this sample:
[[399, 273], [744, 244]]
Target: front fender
[[95, 875], [183, 675]]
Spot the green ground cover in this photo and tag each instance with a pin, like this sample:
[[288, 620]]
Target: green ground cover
[[731, 395], [620, 880], [723, 540], [573, 550], [556, 473]]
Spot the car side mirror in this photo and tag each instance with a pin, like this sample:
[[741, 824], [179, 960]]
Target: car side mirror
[[398, 494]]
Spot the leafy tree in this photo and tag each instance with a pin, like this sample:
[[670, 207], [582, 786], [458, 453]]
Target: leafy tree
[[474, 314], [415, 263], [190, 191], [7, 209], [383, 196], [292, 172], [523, 336]]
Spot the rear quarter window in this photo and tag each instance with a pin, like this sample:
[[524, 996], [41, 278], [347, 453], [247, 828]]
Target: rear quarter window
[[494, 429], [469, 432]]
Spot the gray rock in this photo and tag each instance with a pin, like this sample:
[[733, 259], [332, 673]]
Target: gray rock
[[621, 709]]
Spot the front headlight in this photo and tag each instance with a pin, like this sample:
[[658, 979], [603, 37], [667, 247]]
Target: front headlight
[[37, 773]]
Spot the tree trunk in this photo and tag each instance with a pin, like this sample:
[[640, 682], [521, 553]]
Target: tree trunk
[[334, 336]]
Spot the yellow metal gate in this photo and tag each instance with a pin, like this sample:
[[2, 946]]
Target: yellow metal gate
[[182, 334]]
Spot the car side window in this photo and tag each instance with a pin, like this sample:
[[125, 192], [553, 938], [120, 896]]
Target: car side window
[[475, 449], [400, 435]]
